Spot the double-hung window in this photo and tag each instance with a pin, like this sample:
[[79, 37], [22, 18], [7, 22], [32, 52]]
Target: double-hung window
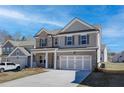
[[56, 41], [69, 40], [83, 39], [43, 42], [8, 49]]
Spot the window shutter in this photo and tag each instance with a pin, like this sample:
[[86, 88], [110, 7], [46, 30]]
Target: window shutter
[[65, 40], [73, 39], [87, 39], [46, 41], [79, 39], [40, 42]]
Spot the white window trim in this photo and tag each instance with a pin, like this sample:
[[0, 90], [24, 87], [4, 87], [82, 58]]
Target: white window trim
[[71, 40], [82, 40]]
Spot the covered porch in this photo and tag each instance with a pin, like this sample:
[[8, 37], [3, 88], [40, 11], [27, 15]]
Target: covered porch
[[46, 58]]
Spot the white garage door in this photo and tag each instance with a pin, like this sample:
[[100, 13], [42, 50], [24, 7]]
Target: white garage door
[[76, 62]]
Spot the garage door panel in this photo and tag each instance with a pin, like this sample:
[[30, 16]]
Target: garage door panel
[[75, 62], [63, 62], [87, 63], [79, 65], [70, 63]]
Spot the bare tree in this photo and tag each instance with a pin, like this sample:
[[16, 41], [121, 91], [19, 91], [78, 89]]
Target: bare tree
[[23, 38], [29, 37], [17, 35], [4, 35]]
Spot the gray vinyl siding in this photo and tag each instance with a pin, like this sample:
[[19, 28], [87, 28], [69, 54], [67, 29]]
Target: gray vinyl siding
[[76, 27], [20, 53], [92, 41]]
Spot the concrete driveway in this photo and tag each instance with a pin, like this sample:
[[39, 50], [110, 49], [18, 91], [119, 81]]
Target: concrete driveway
[[52, 78]]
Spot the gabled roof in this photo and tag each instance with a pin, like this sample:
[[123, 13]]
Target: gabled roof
[[49, 32], [77, 20], [39, 32], [20, 43], [22, 49], [7, 42]]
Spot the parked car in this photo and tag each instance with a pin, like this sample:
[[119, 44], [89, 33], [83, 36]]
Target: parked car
[[5, 66]]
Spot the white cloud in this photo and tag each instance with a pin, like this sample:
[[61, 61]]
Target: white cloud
[[19, 16], [12, 14]]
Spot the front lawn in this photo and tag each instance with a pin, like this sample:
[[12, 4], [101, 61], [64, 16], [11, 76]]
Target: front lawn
[[110, 76], [11, 75], [114, 66], [104, 79]]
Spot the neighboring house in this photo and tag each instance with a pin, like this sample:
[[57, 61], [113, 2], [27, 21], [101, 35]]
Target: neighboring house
[[119, 57], [17, 52], [110, 56], [104, 53], [76, 46]]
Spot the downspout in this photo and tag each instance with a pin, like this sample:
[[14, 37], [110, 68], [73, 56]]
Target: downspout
[[99, 47]]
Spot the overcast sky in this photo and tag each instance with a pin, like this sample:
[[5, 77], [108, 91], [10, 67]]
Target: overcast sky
[[30, 19]]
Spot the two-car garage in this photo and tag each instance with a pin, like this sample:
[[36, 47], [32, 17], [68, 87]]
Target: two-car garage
[[75, 62]]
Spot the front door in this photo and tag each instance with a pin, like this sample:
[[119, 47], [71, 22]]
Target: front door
[[42, 61]]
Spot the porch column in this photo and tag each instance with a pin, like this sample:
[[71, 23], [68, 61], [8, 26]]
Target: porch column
[[46, 58], [55, 59], [31, 64]]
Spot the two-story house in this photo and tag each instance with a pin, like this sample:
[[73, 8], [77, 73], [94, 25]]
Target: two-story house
[[118, 57], [76, 46], [17, 52]]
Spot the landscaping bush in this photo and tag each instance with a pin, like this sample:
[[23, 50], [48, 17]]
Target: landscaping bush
[[102, 65]]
